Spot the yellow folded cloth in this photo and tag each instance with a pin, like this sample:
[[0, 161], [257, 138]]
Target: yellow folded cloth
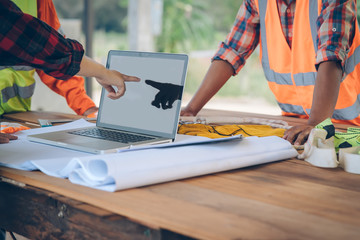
[[229, 130], [6, 127]]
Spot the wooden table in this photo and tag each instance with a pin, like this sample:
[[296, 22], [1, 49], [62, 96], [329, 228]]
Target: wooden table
[[282, 200]]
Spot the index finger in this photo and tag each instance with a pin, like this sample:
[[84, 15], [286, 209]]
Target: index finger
[[130, 78]]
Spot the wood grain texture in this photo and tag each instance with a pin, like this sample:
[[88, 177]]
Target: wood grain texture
[[283, 200], [38, 215], [33, 116], [234, 204]]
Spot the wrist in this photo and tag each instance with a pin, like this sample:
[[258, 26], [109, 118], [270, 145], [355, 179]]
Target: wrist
[[102, 73], [313, 121], [190, 110], [91, 68]]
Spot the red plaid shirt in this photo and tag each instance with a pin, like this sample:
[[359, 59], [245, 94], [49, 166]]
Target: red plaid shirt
[[336, 29], [25, 40]]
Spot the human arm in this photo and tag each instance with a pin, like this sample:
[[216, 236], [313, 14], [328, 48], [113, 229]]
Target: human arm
[[230, 57], [28, 41], [324, 100], [217, 75], [334, 40], [25, 40], [91, 112], [106, 77], [72, 90]]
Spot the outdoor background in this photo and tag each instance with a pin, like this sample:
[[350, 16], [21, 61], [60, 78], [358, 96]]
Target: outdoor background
[[194, 27]]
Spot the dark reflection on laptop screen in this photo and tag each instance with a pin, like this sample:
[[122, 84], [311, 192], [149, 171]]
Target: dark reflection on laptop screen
[[152, 104]]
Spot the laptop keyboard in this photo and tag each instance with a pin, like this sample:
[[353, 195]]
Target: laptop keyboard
[[111, 135]]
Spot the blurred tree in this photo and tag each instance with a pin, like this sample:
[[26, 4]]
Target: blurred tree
[[69, 8], [110, 14], [224, 13], [186, 24], [358, 11]]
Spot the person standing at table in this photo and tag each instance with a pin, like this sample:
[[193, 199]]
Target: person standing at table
[[17, 83], [310, 55], [28, 41]]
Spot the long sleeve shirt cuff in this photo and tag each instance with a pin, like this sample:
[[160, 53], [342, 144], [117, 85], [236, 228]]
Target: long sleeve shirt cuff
[[228, 54]]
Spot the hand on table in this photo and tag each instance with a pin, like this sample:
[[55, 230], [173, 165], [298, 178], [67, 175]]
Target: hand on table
[[91, 112], [5, 138], [167, 95], [188, 112], [298, 135]]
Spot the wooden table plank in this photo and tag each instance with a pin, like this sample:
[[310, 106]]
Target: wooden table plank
[[151, 206], [283, 200], [36, 215], [273, 220], [295, 194], [33, 116]]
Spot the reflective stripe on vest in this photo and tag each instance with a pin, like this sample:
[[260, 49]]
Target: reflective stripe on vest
[[286, 81], [18, 68], [15, 90]]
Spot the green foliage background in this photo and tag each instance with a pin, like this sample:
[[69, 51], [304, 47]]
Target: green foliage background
[[358, 11], [188, 25]]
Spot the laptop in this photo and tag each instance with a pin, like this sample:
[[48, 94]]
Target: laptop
[[148, 113]]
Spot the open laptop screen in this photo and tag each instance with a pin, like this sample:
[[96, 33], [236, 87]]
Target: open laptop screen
[[137, 110]]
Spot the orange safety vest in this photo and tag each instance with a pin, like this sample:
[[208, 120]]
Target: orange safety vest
[[291, 72], [72, 89]]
